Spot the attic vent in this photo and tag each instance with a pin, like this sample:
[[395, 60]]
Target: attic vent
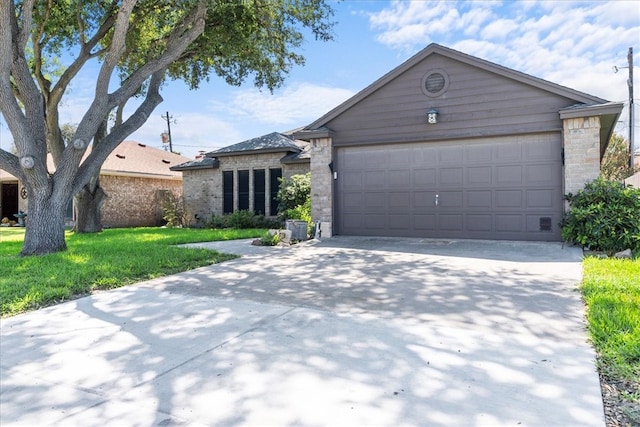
[[120, 156], [166, 161], [141, 145], [435, 83]]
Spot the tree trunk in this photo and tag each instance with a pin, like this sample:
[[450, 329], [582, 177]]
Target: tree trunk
[[88, 203], [44, 227]]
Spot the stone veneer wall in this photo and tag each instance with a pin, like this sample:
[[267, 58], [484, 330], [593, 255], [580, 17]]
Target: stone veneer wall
[[134, 201], [203, 187], [581, 152], [322, 184]]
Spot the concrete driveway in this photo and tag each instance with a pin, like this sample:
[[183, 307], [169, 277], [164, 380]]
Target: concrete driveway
[[347, 331]]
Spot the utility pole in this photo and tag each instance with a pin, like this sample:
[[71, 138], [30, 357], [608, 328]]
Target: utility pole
[[168, 118], [631, 108]]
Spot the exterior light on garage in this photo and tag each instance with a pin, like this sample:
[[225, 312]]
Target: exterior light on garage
[[432, 116]]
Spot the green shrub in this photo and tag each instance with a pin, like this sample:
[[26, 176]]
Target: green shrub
[[270, 239], [174, 212], [293, 192], [604, 216], [243, 220]]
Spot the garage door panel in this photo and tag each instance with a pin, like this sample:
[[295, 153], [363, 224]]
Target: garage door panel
[[508, 199], [424, 178], [480, 199], [507, 152], [503, 189], [478, 153], [509, 175], [353, 201], [423, 157], [400, 157], [424, 199], [375, 221], [373, 180], [353, 221], [450, 199], [481, 176], [542, 174], [373, 200], [373, 159], [400, 200], [545, 150], [351, 180], [482, 223], [451, 177], [450, 222], [540, 199], [399, 222], [509, 222], [398, 179], [452, 154], [424, 222]]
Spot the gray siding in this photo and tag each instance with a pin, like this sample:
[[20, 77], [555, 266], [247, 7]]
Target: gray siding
[[477, 103]]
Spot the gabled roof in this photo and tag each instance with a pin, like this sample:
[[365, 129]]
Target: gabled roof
[[271, 143], [132, 158], [579, 97]]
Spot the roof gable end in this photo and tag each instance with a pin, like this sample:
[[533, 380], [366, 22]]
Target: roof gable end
[[553, 88]]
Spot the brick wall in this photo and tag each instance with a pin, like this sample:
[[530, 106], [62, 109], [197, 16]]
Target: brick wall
[[581, 152], [133, 201], [203, 187]]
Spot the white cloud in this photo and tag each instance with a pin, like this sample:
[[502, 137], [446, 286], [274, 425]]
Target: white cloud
[[296, 105], [573, 43]]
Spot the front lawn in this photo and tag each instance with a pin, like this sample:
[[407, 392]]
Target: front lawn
[[611, 289], [113, 258]]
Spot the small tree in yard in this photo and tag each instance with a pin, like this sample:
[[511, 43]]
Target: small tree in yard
[[604, 216], [293, 192], [615, 162], [137, 45]]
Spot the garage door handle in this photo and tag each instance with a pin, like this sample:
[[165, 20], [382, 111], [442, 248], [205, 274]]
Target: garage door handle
[[436, 200]]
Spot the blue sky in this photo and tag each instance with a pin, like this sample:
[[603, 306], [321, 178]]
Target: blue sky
[[572, 43]]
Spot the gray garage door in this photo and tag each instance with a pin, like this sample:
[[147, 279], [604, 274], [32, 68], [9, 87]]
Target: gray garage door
[[502, 188]]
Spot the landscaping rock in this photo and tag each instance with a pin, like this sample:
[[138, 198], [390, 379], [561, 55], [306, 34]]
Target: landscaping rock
[[626, 254]]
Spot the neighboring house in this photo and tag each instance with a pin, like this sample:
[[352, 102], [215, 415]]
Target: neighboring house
[[135, 178], [446, 145], [635, 179], [243, 176]]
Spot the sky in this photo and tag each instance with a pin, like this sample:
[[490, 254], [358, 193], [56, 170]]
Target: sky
[[572, 43]]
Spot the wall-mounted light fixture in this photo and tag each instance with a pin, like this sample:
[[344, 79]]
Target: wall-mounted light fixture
[[432, 116]]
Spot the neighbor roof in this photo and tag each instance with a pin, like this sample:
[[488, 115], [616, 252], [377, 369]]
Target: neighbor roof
[[434, 48], [133, 158], [271, 143]]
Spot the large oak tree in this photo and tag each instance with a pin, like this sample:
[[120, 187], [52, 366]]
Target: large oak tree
[[137, 46]]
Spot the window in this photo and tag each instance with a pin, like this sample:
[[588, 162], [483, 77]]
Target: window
[[227, 192], [274, 180], [258, 191], [243, 190]]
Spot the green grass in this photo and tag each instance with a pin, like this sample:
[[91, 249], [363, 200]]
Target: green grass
[[611, 289], [106, 260]]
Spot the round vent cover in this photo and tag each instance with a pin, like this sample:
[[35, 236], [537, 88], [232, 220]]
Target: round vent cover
[[435, 83]]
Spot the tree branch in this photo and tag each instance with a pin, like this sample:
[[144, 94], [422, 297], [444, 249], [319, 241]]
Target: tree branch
[[178, 41], [98, 154], [11, 164]]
